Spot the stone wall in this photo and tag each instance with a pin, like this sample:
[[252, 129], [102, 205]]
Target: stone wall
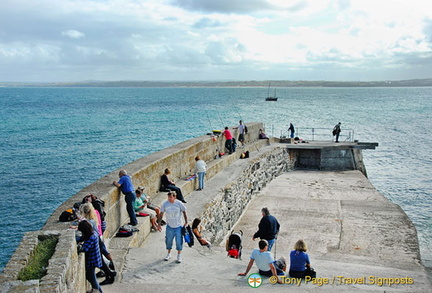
[[228, 205], [65, 271], [335, 158]]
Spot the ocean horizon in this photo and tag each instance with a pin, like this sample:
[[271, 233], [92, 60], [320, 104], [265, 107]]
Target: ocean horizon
[[56, 141]]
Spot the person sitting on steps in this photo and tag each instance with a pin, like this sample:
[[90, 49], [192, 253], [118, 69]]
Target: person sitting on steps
[[197, 230], [140, 205], [167, 184]]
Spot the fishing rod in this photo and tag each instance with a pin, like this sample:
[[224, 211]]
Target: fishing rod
[[223, 127], [208, 117]]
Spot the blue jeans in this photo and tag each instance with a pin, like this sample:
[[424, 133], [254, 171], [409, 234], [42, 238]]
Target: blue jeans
[[270, 244], [201, 179], [172, 233], [177, 190], [228, 145], [91, 277], [130, 200], [269, 273]]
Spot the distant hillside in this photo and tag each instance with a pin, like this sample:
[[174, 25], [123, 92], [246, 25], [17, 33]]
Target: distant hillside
[[252, 83]]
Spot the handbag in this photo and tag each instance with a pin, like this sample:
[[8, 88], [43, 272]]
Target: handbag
[[310, 272]]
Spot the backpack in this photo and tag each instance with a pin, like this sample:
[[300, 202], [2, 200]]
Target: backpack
[[126, 231], [246, 130], [122, 233], [67, 216], [188, 235]]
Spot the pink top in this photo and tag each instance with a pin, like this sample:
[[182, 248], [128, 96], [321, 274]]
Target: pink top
[[100, 222], [227, 134]]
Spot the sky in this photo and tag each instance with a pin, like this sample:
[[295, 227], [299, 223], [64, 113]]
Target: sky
[[193, 40]]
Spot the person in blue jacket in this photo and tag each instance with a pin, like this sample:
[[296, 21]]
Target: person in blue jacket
[[126, 186], [268, 228]]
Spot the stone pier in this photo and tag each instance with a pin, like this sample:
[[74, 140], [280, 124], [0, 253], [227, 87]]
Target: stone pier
[[317, 190]]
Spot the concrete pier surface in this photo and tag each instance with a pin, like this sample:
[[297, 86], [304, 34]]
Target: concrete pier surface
[[357, 240]]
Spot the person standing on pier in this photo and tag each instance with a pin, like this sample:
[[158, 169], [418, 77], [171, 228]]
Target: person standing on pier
[[242, 131], [173, 209], [228, 142], [291, 130], [337, 131], [268, 228], [200, 170], [126, 186], [89, 244]]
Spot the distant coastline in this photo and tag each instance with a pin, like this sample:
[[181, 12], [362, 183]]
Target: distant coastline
[[252, 83]]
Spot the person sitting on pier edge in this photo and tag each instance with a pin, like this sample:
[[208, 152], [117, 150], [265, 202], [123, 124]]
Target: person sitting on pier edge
[[228, 142], [197, 230], [262, 135], [268, 228], [265, 262], [126, 186], [299, 262], [141, 206], [167, 184]]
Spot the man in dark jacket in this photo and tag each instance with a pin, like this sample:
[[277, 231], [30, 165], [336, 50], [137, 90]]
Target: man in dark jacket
[[268, 228], [337, 131]]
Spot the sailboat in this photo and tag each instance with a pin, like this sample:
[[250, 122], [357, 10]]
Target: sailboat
[[270, 98]]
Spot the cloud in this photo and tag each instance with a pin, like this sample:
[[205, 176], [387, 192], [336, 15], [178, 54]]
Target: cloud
[[73, 34], [224, 6], [194, 39], [206, 22]]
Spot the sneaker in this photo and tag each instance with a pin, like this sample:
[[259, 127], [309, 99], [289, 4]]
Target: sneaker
[[167, 257], [179, 259]]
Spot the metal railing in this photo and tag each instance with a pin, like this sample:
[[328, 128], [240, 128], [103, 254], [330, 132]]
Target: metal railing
[[321, 134]]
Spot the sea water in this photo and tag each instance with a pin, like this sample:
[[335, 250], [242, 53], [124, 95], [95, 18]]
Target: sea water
[[55, 141]]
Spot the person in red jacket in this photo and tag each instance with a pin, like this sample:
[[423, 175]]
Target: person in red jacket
[[228, 142]]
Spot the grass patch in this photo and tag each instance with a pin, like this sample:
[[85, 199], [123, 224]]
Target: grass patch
[[38, 262]]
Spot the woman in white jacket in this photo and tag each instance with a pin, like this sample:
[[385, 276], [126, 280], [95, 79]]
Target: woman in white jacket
[[200, 170]]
